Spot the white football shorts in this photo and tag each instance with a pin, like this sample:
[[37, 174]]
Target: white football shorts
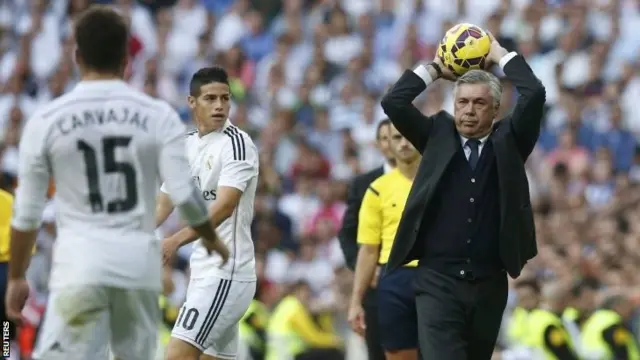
[[209, 317], [85, 322]]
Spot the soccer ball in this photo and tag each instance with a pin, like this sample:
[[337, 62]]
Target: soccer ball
[[464, 47]]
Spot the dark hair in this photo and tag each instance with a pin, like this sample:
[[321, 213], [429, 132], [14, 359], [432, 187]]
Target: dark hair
[[381, 124], [206, 76], [102, 37]]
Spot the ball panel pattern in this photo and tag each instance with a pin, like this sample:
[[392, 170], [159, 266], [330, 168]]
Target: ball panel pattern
[[464, 47]]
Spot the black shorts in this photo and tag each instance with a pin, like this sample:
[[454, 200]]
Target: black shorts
[[4, 272], [397, 314]]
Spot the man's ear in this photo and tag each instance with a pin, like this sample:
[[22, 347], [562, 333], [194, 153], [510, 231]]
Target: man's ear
[[191, 101]]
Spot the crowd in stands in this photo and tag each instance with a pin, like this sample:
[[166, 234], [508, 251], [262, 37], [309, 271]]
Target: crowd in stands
[[307, 78]]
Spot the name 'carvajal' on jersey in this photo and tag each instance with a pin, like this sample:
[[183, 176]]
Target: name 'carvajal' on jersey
[[124, 116]]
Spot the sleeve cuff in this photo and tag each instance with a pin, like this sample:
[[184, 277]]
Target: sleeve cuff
[[240, 186], [505, 59], [423, 74]]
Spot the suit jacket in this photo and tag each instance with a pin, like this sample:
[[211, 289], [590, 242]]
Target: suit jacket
[[513, 140], [348, 234]]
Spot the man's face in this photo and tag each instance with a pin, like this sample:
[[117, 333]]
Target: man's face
[[527, 297], [211, 107], [474, 110], [383, 142], [402, 149], [587, 299]]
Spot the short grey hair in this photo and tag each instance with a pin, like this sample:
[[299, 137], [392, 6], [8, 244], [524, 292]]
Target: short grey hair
[[482, 77]]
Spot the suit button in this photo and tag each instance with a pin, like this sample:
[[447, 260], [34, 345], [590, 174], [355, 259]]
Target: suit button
[[462, 272], [469, 220], [468, 261], [468, 241], [473, 180], [471, 200]]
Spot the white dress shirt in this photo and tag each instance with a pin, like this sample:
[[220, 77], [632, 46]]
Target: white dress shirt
[[467, 149]]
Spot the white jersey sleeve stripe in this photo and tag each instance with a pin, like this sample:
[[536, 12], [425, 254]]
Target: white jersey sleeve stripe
[[237, 142]]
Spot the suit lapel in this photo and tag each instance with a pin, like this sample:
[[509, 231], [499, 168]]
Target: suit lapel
[[442, 146]]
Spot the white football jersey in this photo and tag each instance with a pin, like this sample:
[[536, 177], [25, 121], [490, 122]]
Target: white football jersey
[[227, 157], [105, 145]]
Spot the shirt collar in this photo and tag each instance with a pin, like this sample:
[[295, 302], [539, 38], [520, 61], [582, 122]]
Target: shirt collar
[[100, 85], [483, 140], [215, 133], [386, 167]]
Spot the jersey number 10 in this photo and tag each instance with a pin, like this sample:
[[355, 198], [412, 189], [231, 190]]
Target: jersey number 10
[[111, 166]]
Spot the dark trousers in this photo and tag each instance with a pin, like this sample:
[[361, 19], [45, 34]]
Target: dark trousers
[[458, 318], [372, 334], [397, 317]]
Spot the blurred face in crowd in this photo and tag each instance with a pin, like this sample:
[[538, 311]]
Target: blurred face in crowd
[[567, 139], [211, 106], [528, 298], [383, 142], [402, 149], [586, 300], [474, 109]]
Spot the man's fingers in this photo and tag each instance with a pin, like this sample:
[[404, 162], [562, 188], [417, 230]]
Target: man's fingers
[[493, 38], [363, 323]]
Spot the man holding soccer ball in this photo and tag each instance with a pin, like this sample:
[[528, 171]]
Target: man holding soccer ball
[[468, 218]]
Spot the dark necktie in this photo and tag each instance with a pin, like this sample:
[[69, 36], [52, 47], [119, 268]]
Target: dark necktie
[[474, 146]]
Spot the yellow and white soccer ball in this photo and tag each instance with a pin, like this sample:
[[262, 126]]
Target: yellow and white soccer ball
[[464, 47]]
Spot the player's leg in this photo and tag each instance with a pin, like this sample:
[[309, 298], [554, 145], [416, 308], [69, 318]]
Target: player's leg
[[397, 315], [225, 333], [76, 325], [134, 316]]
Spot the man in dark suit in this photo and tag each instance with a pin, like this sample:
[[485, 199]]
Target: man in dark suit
[[468, 218], [348, 236]]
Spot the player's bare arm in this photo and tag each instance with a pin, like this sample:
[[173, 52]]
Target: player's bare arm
[[22, 243], [365, 271], [29, 205], [227, 200]]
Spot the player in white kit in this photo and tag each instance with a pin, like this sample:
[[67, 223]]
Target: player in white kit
[[105, 145], [224, 164]]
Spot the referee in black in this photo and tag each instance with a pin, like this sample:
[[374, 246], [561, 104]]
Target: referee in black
[[468, 218], [349, 230]]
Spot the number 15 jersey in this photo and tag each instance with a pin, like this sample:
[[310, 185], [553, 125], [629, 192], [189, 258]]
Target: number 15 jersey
[[105, 145]]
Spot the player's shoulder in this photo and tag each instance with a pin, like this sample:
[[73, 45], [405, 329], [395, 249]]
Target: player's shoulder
[[126, 94], [238, 140], [150, 103], [234, 132], [52, 108]]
